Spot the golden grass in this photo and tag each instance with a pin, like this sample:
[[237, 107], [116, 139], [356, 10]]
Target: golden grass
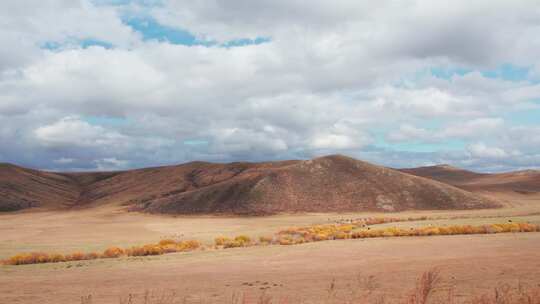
[[346, 231], [164, 246], [289, 236]]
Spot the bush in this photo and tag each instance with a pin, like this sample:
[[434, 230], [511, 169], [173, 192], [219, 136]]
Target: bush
[[346, 228], [113, 252], [145, 250], [286, 242], [92, 256], [266, 239], [340, 235], [56, 258], [166, 242], [188, 245], [289, 236], [221, 240], [233, 244], [76, 256], [170, 248], [28, 258], [244, 239], [320, 237]]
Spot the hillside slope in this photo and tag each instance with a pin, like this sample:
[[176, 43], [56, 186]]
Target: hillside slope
[[523, 182], [327, 184], [22, 188]]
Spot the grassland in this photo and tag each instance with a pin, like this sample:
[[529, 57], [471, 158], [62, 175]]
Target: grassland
[[472, 264]]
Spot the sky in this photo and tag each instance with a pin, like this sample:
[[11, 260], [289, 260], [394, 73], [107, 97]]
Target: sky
[[120, 84]]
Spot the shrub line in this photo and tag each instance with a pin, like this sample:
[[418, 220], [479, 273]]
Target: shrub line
[[291, 236]]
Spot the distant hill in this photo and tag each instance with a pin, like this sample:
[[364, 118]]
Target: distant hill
[[524, 182], [327, 184], [22, 188]]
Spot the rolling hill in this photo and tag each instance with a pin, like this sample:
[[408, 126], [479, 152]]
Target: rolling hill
[[326, 184], [522, 182]]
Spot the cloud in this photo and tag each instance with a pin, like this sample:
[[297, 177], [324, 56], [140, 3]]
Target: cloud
[[480, 150], [29, 25], [111, 164], [470, 129], [349, 77], [71, 131]]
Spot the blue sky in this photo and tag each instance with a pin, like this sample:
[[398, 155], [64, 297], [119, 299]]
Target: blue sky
[[150, 29], [122, 84]]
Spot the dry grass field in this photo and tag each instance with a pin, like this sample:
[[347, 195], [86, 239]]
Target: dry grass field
[[324, 272]]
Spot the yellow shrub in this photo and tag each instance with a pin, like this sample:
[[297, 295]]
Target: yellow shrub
[[76, 256], [145, 250], [20, 259], [265, 239], [431, 231], [340, 235], [232, 244], [188, 245], [56, 257], [445, 230], [169, 248], [375, 233], [92, 256], [467, 229], [496, 228], [286, 241], [320, 237], [113, 252], [244, 239], [525, 227], [221, 240], [393, 231], [346, 228], [166, 242]]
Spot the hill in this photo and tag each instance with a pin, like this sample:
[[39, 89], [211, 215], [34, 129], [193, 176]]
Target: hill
[[22, 188], [522, 182], [327, 184]]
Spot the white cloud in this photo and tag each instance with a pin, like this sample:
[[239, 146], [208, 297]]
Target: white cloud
[[27, 25], [469, 129], [72, 131], [335, 76], [480, 150]]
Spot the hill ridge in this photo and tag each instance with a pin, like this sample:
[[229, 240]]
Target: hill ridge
[[332, 183]]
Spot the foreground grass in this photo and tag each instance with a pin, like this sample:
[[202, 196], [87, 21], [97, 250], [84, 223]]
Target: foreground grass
[[351, 229], [429, 289]]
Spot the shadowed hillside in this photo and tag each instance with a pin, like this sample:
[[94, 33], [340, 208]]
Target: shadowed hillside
[[22, 188], [326, 184]]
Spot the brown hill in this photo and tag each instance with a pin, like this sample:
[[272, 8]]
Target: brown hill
[[524, 182], [22, 188], [332, 183]]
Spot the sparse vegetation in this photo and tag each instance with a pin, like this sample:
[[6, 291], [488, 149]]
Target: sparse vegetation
[[346, 231], [429, 288], [112, 252], [290, 236], [221, 240]]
